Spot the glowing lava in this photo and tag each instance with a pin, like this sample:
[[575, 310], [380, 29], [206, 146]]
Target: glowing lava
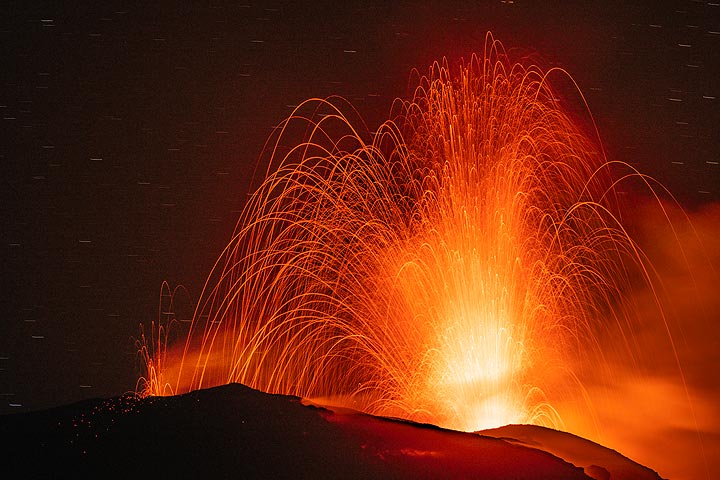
[[454, 267]]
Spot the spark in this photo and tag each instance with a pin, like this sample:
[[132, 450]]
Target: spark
[[453, 267]]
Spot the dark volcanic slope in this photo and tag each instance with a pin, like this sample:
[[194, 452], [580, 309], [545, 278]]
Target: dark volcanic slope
[[236, 431], [599, 462]]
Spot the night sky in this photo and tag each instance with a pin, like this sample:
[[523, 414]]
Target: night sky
[[129, 137]]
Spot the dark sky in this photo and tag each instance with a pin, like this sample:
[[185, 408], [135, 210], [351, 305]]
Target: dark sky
[[129, 137]]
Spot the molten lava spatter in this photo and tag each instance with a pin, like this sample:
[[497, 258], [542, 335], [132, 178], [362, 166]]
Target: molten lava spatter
[[450, 268]]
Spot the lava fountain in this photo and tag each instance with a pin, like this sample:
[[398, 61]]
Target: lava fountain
[[454, 267]]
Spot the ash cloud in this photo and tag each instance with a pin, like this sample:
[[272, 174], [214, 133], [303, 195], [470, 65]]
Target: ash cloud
[[661, 408]]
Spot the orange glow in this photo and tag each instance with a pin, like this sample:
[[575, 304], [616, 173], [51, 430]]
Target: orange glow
[[460, 266]]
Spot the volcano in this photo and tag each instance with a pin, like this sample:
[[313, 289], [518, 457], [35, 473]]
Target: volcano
[[233, 430]]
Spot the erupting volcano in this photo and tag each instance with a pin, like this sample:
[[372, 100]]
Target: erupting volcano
[[455, 267]]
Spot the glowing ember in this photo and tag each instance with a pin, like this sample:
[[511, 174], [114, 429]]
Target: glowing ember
[[455, 267]]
